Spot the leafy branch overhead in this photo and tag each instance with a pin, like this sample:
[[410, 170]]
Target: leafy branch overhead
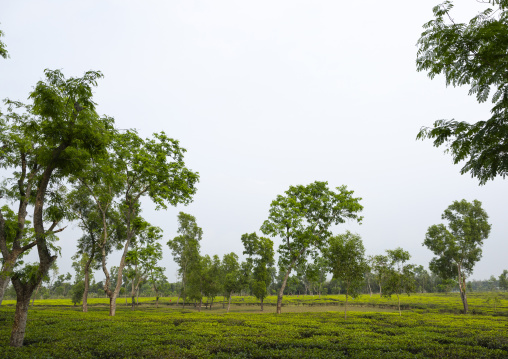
[[471, 54]]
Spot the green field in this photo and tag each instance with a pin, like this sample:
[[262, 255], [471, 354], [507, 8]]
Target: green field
[[310, 327]]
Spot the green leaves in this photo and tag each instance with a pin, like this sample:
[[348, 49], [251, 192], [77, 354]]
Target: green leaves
[[303, 216], [345, 255], [459, 244], [474, 55]]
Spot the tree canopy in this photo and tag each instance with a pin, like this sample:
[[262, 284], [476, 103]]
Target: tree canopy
[[458, 246]]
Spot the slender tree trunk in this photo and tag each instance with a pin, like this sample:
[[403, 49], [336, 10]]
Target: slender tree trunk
[[398, 300], [281, 291], [370, 289], [462, 288], [35, 295], [85, 292], [345, 307], [200, 302], [229, 303], [261, 304], [4, 283]]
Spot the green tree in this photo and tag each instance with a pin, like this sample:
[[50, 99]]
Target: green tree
[[56, 135], [302, 218], [458, 246], [212, 284], [399, 276], [143, 257], [185, 249], [503, 280], [153, 168], [261, 257], [94, 222], [345, 255], [379, 265], [471, 54], [235, 275]]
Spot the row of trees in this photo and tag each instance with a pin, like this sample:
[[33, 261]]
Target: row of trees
[[57, 148]]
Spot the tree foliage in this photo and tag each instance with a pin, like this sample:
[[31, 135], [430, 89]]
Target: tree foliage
[[302, 218], [471, 54], [345, 255], [458, 246]]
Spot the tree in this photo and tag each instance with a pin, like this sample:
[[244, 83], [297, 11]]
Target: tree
[[458, 246], [302, 218], [185, 248], [471, 54], [345, 255], [143, 257], [400, 276], [379, 264], [235, 275], [260, 257], [212, 285], [503, 280], [52, 139], [3, 48], [152, 168], [94, 223]]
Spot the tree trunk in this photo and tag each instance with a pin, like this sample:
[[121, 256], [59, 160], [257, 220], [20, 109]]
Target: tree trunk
[[398, 299], [200, 302], [229, 303], [462, 288], [370, 289], [261, 304], [345, 307], [112, 305], [85, 292], [20, 316], [281, 291], [4, 283], [35, 295]]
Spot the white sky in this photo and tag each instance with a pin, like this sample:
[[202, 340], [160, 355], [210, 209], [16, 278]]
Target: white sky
[[264, 95]]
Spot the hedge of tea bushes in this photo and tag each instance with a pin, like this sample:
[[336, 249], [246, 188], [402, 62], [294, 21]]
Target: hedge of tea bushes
[[479, 303], [169, 333]]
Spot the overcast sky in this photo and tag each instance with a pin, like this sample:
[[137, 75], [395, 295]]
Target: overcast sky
[[264, 95]]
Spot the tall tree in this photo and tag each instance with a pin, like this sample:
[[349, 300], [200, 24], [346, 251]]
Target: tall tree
[[185, 248], [212, 278], [261, 257], [152, 168], [345, 255], [94, 223], [55, 136], [399, 276], [302, 218], [458, 246], [471, 54], [379, 265], [235, 275]]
